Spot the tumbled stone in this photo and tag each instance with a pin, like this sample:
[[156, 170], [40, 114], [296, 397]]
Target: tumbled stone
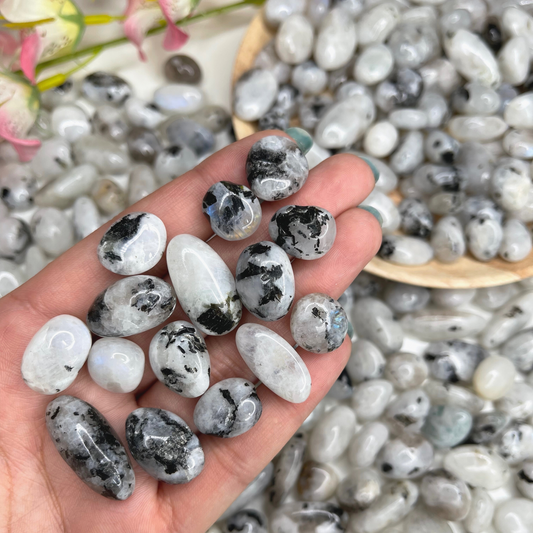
[[336, 40], [182, 69], [408, 412], [476, 129], [179, 98], [108, 196], [446, 203], [514, 516], [454, 360], [71, 122], [396, 501], [413, 45], [443, 324], [141, 184], [274, 362], [143, 114], [516, 241], [332, 435], [180, 360], [312, 109], [52, 159], [359, 489], [488, 427], [451, 298], [105, 88], [416, 218], [403, 298], [494, 377], [447, 426], [481, 511], [267, 59], [144, 145], [194, 266], [163, 445], [404, 250], [476, 99], [309, 78], [400, 460], [173, 162], [449, 394], [409, 154], [287, 470], [133, 244], [519, 144], [367, 443], [55, 354], [477, 466], [182, 131], [513, 60], [448, 240], [519, 112], [213, 117], [234, 210], [422, 521], [406, 370], [305, 232], [389, 212], [17, 186], [130, 306], [524, 479], [106, 156], [380, 139], [52, 230], [376, 24], [85, 217], [15, 237], [318, 323], [435, 107], [247, 520], [294, 39], [519, 349], [117, 365], [317, 482], [90, 446], [373, 64], [276, 168], [314, 516], [265, 281], [370, 398], [366, 361], [65, 189], [110, 122], [62, 94], [445, 496], [342, 389], [495, 297]]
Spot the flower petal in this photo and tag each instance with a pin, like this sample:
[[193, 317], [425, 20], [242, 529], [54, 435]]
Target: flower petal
[[175, 37], [30, 10], [26, 148], [174, 10], [139, 22], [8, 43], [30, 52]]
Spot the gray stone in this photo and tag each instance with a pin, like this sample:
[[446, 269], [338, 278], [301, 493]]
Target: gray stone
[[445, 496]]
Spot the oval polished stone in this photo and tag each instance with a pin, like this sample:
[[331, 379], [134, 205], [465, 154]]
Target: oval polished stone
[[406, 370], [110, 122], [359, 489], [481, 511], [109, 197], [180, 360], [105, 88], [318, 323], [265, 280], [51, 229], [317, 482], [441, 393], [255, 92], [144, 145], [402, 460], [90, 446], [288, 466], [106, 156], [133, 244], [130, 306], [294, 39], [233, 210], [370, 398], [273, 360], [18, 186], [228, 409], [445, 496], [182, 69], [294, 517], [143, 114], [367, 443], [406, 414], [55, 354], [477, 466], [164, 445], [514, 516], [276, 168], [71, 122], [85, 217], [305, 232], [332, 435], [247, 521], [204, 285], [494, 377], [448, 240], [447, 426], [15, 236], [403, 250], [117, 365], [179, 98], [366, 361]]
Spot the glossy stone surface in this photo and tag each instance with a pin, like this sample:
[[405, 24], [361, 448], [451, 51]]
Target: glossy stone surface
[[406, 370], [55, 354], [487, 427], [105, 88], [477, 466], [318, 323], [331, 436], [130, 306], [85, 217], [110, 122], [514, 516], [367, 443], [294, 40], [109, 197], [143, 114], [133, 244], [494, 377], [204, 285], [247, 521], [51, 229], [90, 446], [163, 445], [265, 281], [18, 186], [276, 168], [228, 409], [370, 398], [233, 210], [173, 162], [287, 469], [366, 361], [408, 412], [400, 459], [317, 482], [179, 98], [305, 232], [117, 365], [445, 496], [15, 237], [106, 156], [404, 250], [447, 426], [519, 349], [359, 489], [325, 517], [182, 69], [180, 360], [274, 362], [441, 393], [255, 92], [481, 511], [143, 145], [71, 122]]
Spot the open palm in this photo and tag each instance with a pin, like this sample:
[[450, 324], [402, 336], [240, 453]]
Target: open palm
[[39, 492]]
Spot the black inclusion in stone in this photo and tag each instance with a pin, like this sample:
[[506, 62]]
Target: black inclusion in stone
[[99, 307], [229, 413], [238, 189], [172, 379], [258, 248], [216, 320], [209, 200], [493, 36], [123, 230], [387, 248], [263, 164], [386, 467], [311, 217]]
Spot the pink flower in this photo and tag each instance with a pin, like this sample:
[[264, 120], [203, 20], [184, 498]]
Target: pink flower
[[141, 15], [50, 39], [19, 105]]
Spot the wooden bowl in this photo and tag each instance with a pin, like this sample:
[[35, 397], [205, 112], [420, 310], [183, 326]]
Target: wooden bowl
[[465, 273]]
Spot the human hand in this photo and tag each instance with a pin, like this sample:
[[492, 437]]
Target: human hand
[[39, 492]]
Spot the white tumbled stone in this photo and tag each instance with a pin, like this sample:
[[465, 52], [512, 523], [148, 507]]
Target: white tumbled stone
[[255, 92], [514, 61], [370, 398], [494, 377], [380, 139], [519, 112], [409, 119], [516, 242], [514, 516], [367, 443], [477, 129], [481, 511], [117, 365], [404, 250], [55, 354], [376, 24], [294, 40], [373, 64]]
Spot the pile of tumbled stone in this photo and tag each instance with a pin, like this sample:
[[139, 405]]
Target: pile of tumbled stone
[[103, 149], [428, 430], [212, 298], [435, 93]]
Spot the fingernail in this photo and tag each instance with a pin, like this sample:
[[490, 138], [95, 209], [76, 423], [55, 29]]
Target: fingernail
[[301, 137], [374, 212], [373, 168]]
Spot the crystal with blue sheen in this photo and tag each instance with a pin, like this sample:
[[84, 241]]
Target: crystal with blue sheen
[[447, 426]]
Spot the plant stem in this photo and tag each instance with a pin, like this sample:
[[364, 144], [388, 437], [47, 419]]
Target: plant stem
[[121, 40]]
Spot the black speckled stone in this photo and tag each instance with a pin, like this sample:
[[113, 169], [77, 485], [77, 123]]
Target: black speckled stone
[[164, 445], [246, 521], [90, 446], [105, 88]]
